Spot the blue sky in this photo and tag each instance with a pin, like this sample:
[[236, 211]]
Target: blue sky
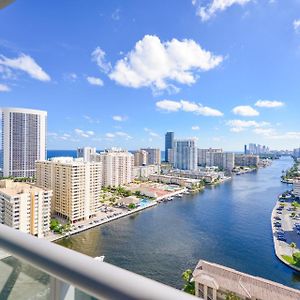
[[122, 73]]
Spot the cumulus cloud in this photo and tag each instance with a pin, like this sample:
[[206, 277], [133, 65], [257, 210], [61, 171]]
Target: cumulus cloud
[[152, 133], [4, 88], [98, 56], [245, 111], [296, 25], [215, 6], [157, 64], [241, 125], [187, 106], [269, 104], [109, 135], [83, 133], [94, 81], [119, 118], [26, 64], [91, 119], [195, 128]]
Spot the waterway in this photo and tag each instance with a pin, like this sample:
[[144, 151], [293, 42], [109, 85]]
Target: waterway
[[228, 224]]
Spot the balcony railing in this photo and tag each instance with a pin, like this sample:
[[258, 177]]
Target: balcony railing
[[71, 269]]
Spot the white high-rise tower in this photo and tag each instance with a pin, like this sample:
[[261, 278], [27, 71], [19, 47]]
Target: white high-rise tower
[[23, 140]]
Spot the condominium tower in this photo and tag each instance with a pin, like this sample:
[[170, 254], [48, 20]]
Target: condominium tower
[[154, 156], [185, 154], [76, 186], [117, 166], [169, 144], [23, 140], [25, 207]]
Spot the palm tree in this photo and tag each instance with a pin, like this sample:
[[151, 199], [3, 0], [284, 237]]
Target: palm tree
[[293, 246]]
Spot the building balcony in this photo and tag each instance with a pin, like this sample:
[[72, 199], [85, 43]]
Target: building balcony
[[50, 271]]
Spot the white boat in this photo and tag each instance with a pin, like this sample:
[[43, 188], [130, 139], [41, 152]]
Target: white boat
[[100, 258]]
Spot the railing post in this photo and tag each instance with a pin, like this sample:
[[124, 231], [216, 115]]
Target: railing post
[[60, 290]]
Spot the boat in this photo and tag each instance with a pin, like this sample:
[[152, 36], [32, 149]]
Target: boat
[[100, 258]]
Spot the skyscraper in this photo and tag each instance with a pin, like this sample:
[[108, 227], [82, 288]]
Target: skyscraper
[[185, 154], [154, 156], [169, 144], [23, 140]]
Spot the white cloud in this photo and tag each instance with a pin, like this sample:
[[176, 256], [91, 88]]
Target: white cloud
[[98, 56], [168, 105], [91, 120], [123, 134], [215, 6], [195, 128], [157, 64], [4, 88], [109, 135], [83, 133], [119, 118], [241, 125], [152, 133], [70, 77], [269, 104], [26, 64], [296, 25], [187, 106], [245, 111], [94, 81]]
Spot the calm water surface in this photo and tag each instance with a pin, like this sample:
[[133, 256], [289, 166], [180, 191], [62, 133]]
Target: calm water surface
[[228, 224]]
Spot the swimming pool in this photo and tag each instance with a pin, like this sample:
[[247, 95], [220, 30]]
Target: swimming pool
[[144, 202]]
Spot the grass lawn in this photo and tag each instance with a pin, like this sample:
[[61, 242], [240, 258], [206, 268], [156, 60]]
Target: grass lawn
[[291, 261], [295, 204]]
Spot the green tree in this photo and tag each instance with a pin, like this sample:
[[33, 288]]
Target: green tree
[[131, 206], [232, 296], [189, 286]]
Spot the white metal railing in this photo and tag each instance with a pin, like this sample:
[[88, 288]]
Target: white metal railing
[[98, 279]]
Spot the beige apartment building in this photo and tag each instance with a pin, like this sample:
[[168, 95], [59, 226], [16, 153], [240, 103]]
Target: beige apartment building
[[140, 158], [76, 186], [215, 282], [25, 207], [117, 165]]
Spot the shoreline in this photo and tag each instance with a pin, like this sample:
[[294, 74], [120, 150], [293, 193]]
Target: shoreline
[[88, 226], [279, 245]]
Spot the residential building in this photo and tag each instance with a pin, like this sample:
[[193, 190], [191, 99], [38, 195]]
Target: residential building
[[248, 160], [23, 140], [25, 207], [205, 157], [143, 172], [185, 154], [154, 156], [76, 186], [214, 282], [169, 144], [117, 166], [182, 181], [86, 153], [140, 158], [216, 157]]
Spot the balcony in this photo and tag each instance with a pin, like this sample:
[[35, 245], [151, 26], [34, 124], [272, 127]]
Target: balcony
[[49, 271]]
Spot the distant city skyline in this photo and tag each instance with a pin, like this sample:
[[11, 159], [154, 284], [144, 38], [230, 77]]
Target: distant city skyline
[[224, 92]]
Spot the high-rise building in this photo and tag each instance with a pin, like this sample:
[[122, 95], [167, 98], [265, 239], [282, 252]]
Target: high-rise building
[[25, 207], [206, 156], [154, 156], [23, 140], [169, 144], [248, 160], [185, 154], [245, 149], [117, 166], [86, 153], [140, 158], [76, 186]]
